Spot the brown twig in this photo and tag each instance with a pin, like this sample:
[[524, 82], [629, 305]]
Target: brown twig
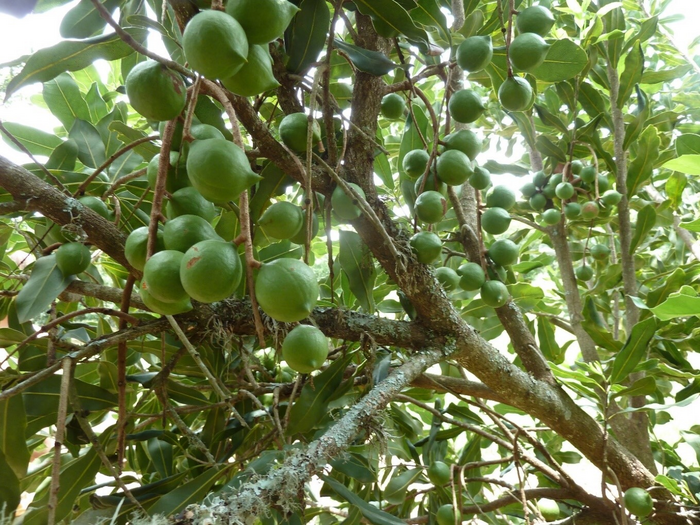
[[67, 364], [215, 381], [55, 322], [159, 190], [193, 95], [97, 446], [81, 189], [21, 146], [121, 375], [126, 37]]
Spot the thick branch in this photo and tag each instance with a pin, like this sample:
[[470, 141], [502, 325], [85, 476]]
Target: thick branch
[[638, 434], [282, 485], [41, 197], [629, 277], [549, 403], [557, 235]]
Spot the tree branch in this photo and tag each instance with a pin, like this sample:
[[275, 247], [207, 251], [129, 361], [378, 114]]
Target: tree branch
[[62, 209], [282, 485]]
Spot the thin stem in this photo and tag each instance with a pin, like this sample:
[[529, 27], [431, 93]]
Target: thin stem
[[629, 277], [123, 180], [97, 446], [81, 189], [67, 364], [126, 37], [216, 383], [159, 190], [122, 350], [22, 147]]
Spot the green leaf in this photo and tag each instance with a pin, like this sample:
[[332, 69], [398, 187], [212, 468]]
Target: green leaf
[[96, 104], [595, 326], [549, 149], [191, 492], [13, 423], [312, 404], [641, 167], [45, 283], [589, 134], [525, 295], [10, 491], [128, 135], [674, 186], [658, 407], [396, 17], [185, 394], [161, 454], [669, 284], [472, 23], [170, 40], [306, 35], [634, 128], [9, 337], [356, 261], [383, 169], [356, 466], [64, 99], [36, 141], [428, 13], [634, 349], [45, 5], [548, 343], [593, 103], [665, 75], [370, 512], [64, 156], [497, 69], [84, 20], [372, 62], [410, 139], [688, 144], [632, 75], [525, 126], [646, 31], [677, 305], [564, 60], [75, 475], [71, 55], [498, 168], [395, 491], [688, 164], [642, 387], [550, 119], [470, 6], [91, 149], [614, 21], [210, 113], [273, 182], [43, 397], [692, 226], [646, 219]]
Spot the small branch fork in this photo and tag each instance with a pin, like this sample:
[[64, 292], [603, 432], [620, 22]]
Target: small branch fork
[[216, 383], [126, 37]]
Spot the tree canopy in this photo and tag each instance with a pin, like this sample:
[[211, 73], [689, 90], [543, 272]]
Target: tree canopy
[[379, 261]]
